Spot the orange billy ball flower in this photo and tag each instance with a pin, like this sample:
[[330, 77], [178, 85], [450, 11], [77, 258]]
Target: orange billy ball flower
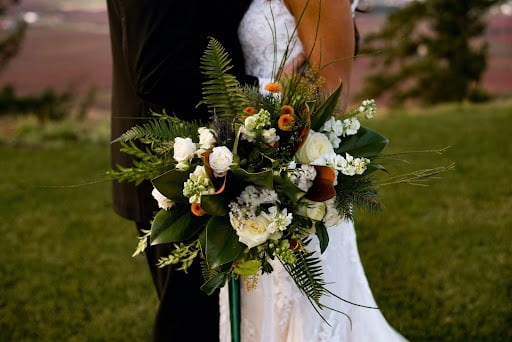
[[272, 87], [285, 122], [287, 110], [196, 209], [250, 110]]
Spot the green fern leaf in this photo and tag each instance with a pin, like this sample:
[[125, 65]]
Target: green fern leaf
[[221, 91], [161, 129]]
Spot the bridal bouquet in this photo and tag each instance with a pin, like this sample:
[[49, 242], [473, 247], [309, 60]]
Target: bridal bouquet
[[270, 170]]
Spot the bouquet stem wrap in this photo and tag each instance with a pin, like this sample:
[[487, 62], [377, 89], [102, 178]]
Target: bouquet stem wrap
[[234, 309]]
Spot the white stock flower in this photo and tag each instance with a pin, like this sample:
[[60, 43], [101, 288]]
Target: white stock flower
[[197, 184], [220, 160], [315, 146], [206, 138], [303, 177], [184, 149], [351, 126], [369, 108], [163, 202], [254, 124]]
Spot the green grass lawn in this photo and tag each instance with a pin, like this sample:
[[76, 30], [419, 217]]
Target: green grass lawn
[[438, 258]]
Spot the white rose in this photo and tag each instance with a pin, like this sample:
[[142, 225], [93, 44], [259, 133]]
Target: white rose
[[314, 210], [270, 136], [316, 144], [250, 122], [220, 160], [184, 149], [253, 232], [206, 138], [163, 202]]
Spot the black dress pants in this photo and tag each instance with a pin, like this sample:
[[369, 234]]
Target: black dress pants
[[185, 313]]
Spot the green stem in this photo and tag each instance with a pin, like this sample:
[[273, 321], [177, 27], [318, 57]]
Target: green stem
[[234, 308]]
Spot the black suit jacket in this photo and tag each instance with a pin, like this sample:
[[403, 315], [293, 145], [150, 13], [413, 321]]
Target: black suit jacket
[[156, 50]]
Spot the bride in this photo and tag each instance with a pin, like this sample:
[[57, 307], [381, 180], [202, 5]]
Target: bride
[[274, 310]]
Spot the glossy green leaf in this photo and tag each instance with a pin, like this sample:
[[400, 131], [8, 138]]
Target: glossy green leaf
[[214, 283], [263, 178], [222, 245], [177, 224], [366, 143], [170, 184], [326, 110], [248, 267], [215, 205], [323, 236]]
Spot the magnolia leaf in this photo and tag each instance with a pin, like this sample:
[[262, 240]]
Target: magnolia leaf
[[222, 245], [283, 185], [323, 236], [177, 224], [170, 184], [215, 205], [263, 178], [248, 267], [214, 283], [326, 110], [366, 143]]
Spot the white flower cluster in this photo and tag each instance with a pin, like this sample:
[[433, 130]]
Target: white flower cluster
[[348, 165], [252, 229], [255, 124], [334, 129], [369, 108], [197, 184], [163, 202], [302, 177]]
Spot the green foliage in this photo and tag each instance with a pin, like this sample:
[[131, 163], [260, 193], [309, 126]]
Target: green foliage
[[174, 225], [360, 193], [164, 129], [183, 254], [427, 51], [147, 165], [221, 91], [307, 274]]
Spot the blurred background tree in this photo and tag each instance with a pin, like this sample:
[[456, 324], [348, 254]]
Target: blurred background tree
[[10, 40], [431, 51]]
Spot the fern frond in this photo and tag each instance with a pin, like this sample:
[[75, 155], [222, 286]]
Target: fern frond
[[356, 192], [221, 91], [161, 129], [307, 274], [208, 273]]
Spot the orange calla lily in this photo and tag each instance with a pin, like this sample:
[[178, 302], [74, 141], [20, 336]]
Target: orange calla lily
[[323, 185]]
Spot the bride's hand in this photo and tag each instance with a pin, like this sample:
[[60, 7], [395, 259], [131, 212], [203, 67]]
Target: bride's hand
[[295, 64]]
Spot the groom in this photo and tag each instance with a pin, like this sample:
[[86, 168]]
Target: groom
[[156, 50]]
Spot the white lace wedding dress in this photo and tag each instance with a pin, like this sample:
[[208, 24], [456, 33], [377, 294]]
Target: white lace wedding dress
[[275, 311]]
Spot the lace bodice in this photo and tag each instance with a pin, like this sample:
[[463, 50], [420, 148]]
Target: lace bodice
[[264, 33]]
